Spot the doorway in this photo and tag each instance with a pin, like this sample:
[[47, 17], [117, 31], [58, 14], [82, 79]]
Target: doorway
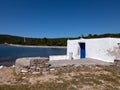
[[82, 50]]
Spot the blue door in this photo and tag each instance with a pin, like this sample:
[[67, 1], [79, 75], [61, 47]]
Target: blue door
[[82, 50]]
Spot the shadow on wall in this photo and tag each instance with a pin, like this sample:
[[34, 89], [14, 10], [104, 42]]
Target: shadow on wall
[[115, 52]]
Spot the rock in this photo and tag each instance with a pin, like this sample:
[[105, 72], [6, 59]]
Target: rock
[[35, 72], [13, 66], [48, 65], [1, 66], [117, 62], [21, 63], [52, 69], [24, 71], [60, 81], [76, 65], [23, 77]]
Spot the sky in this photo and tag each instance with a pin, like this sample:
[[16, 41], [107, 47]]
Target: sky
[[59, 18]]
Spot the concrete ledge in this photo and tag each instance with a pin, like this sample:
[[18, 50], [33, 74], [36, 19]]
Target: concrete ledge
[[58, 57], [87, 62]]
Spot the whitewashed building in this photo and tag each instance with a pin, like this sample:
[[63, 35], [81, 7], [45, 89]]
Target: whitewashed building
[[105, 49]]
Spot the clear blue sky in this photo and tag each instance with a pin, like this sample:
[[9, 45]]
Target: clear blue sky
[[59, 18]]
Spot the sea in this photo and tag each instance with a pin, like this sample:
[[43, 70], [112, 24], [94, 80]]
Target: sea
[[11, 53]]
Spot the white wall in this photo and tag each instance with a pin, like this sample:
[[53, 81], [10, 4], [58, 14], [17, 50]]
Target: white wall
[[95, 48], [98, 49], [72, 49]]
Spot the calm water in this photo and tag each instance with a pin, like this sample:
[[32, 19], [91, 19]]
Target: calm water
[[10, 53]]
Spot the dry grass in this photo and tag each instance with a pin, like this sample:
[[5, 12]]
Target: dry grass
[[100, 78]]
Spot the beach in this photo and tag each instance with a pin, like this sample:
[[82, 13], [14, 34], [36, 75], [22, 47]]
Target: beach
[[17, 45]]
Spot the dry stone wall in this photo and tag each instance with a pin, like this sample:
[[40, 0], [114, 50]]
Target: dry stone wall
[[32, 64]]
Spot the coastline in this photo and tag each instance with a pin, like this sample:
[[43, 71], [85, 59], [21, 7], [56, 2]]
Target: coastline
[[12, 62], [7, 63], [17, 45]]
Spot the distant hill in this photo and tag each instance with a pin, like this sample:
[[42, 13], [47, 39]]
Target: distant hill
[[4, 39], [103, 35], [9, 39]]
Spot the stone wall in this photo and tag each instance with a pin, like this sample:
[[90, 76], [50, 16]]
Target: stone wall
[[117, 62], [30, 64]]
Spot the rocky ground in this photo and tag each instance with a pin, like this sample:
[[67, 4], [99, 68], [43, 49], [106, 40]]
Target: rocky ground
[[93, 77]]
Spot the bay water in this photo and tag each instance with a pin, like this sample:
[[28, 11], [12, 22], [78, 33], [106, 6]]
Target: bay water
[[11, 53]]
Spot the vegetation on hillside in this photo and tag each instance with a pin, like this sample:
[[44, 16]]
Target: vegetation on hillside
[[8, 39], [47, 41]]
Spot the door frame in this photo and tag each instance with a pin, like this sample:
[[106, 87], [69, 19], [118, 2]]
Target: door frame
[[82, 46]]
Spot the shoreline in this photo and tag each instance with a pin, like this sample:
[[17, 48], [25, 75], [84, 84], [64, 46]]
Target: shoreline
[[12, 62], [7, 63], [17, 45]]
